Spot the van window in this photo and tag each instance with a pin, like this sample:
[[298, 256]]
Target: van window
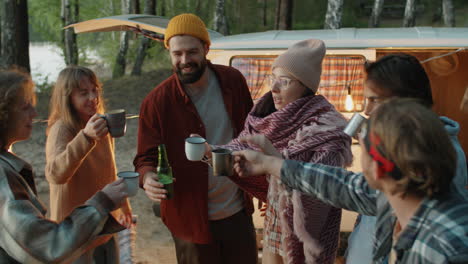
[[341, 74], [255, 71]]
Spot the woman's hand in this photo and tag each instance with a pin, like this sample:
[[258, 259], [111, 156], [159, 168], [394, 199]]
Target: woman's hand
[[126, 219], [96, 127], [263, 143]]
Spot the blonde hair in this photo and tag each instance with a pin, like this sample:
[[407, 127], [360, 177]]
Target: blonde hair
[[61, 106], [14, 84], [414, 138]]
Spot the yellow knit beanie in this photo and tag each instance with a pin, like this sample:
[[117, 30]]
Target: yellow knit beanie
[[186, 24]]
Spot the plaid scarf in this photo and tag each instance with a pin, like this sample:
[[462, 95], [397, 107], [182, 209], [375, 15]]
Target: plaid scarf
[[308, 129]]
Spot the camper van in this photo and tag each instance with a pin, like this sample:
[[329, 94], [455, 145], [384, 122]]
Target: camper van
[[443, 52]]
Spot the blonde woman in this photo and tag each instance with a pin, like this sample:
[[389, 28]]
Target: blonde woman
[[26, 236], [80, 152]]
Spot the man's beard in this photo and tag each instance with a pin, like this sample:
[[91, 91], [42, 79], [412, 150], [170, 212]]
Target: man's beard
[[190, 77]]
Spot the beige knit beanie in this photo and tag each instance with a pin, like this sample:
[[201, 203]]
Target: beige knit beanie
[[186, 24], [303, 61]]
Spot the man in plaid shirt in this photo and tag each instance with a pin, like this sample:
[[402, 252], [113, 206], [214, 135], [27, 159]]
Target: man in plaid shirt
[[408, 163]]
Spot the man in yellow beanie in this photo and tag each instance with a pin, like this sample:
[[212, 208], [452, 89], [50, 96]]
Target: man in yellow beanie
[[209, 217]]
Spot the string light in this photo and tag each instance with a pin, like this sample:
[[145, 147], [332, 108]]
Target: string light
[[128, 116], [349, 104]]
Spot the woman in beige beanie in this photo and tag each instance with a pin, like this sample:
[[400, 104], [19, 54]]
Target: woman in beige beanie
[[293, 122]]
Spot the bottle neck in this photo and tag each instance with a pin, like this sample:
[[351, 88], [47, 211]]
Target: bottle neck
[[162, 156]]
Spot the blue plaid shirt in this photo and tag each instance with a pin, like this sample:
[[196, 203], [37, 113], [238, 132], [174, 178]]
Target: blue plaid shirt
[[437, 233]]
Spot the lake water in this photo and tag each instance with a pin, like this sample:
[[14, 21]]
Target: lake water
[[47, 61]]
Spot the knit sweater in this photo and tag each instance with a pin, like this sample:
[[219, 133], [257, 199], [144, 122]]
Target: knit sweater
[[77, 167], [308, 129]]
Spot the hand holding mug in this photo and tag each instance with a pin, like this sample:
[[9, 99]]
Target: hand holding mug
[[195, 147], [116, 191], [130, 180], [263, 143], [249, 162], [116, 122], [96, 127]]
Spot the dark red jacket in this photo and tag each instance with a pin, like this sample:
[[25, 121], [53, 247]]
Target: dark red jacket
[[168, 116]]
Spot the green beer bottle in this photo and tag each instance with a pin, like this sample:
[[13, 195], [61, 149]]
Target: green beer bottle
[[164, 171]]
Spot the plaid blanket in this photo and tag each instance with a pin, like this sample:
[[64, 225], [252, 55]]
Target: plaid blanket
[[308, 129]]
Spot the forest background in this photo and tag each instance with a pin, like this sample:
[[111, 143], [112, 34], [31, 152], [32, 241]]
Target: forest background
[[25, 21]]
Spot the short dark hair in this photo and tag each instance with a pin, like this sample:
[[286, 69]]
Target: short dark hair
[[400, 75]]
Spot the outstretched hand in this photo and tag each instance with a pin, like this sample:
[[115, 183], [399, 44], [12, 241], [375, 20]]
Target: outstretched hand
[[263, 143], [116, 191], [249, 162]]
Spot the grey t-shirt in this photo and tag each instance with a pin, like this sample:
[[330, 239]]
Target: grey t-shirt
[[224, 197]]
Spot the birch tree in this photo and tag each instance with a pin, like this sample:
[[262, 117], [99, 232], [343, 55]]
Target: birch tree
[[150, 9], [0, 36], [448, 13], [285, 15], [70, 15], [334, 14], [374, 19], [220, 21], [264, 13], [14, 34], [120, 61], [409, 19]]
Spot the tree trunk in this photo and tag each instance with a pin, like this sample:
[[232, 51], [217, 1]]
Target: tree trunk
[[198, 7], [9, 48], [15, 34], [120, 61], [448, 13], [150, 8], [278, 12], [172, 6], [285, 15], [70, 13], [162, 4], [374, 20], [334, 14], [264, 13], [220, 22], [409, 20], [1, 14], [135, 9]]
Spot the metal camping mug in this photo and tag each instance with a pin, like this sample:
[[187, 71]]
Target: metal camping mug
[[354, 125], [222, 162]]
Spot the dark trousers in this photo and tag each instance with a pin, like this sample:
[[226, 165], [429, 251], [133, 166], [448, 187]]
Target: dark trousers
[[233, 242]]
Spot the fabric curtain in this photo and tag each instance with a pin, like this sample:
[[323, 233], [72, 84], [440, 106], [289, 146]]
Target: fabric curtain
[[338, 73], [255, 71]]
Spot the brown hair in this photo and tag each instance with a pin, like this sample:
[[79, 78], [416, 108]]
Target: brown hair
[[414, 138], [400, 75], [60, 103], [14, 84]]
